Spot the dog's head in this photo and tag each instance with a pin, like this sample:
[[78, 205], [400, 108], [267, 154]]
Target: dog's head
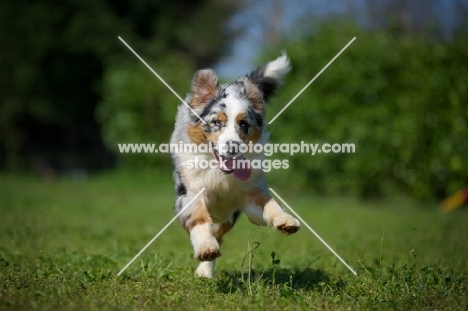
[[234, 113]]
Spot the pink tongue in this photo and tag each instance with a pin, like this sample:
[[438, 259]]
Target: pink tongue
[[243, 173]]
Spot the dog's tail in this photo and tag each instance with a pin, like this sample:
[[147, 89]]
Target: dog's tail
[[267, 77]]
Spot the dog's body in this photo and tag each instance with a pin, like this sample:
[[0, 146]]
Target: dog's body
[[235, 115]]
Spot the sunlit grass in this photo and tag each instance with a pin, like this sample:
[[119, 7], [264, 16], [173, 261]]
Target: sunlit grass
[[62, 244]]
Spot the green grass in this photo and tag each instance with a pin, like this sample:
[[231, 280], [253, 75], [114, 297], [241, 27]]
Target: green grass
[[62, 244]]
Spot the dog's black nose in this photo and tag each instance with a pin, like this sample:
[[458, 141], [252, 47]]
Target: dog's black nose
[[233, 147]]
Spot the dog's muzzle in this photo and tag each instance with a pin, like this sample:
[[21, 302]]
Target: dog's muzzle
[[233, 162]]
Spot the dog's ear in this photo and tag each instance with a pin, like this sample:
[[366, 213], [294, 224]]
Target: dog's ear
[[204, 87], [267, 77], [254, 95], [266, 85]]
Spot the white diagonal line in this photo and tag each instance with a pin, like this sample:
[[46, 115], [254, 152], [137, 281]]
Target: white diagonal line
[[313, 79], [160, 232], [162, 80], [315, 233]]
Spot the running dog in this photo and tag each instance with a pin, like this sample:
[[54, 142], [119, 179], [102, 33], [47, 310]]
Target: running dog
[[234, 116]]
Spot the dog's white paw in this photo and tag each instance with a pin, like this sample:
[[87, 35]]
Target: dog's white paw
[[205, 269], [286, 224], [205, 245], [207, 250]]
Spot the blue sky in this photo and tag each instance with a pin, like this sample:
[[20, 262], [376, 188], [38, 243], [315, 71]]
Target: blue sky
[[246, 49]]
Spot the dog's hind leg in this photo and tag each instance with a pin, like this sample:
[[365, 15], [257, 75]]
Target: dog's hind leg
[[221, 229], [205, 269], [262, 210]]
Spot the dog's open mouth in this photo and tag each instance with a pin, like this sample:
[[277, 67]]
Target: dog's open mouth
[[238, 165]]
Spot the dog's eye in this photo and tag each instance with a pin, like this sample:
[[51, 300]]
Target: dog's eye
[[217, 123], [243, 124]]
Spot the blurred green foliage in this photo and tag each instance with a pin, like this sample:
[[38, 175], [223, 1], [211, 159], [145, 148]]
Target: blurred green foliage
[[138, 108], [55, 55], [66, 79], [401, 99]]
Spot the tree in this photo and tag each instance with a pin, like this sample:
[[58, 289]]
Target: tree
[[55, 54], [399, 99]]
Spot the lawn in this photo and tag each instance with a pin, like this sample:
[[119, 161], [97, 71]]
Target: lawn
[[62, 244]]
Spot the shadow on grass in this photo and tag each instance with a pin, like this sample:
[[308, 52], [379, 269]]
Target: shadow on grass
[[308, 278]]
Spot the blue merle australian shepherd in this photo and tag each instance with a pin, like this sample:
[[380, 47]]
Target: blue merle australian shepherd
[[235, 116]]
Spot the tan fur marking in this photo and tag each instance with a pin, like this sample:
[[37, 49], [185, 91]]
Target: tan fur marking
[[254, 96], [257, 196], [197, 134], [222, 117], [222, 230], [255, 135], [213, 138], [200, 216], [240, 117]]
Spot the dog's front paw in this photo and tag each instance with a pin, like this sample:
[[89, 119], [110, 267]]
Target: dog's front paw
[[286, 224], [207, 251]]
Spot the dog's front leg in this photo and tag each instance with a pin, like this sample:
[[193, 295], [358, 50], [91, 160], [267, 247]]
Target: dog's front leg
[[262, 210], [205, 245], [205, 248]]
